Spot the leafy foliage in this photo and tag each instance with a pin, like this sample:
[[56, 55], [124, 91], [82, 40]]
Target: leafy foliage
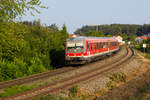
[[10, 9], [28, 47], [139, 46]]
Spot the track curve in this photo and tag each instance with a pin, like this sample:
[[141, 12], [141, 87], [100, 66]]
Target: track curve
[[68, 82]]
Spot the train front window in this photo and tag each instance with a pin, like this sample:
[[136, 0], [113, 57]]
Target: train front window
[[75, 47]]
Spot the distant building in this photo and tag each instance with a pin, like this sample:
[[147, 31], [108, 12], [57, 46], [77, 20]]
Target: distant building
[[73, 35], [148, 35], [144, 37], [138, 39], [120, 39], [141, 38]]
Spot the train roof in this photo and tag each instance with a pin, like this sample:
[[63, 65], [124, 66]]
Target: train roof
[[91, 38]]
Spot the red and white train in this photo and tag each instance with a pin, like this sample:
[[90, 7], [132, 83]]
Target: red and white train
[[80, 50]]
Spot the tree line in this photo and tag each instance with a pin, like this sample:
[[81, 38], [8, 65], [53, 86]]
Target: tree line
[[127, 31]]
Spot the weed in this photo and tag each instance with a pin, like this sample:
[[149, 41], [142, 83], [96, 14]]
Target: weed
[[85, 97], [40, 85], [110, 85], [148, 98], [46, 83], [57, 78], [101, 92], [73, 90], [118, 77], [148, 55], [142, 89]]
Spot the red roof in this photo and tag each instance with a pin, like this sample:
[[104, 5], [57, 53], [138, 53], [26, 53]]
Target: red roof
[[73, 35], [144, 37]]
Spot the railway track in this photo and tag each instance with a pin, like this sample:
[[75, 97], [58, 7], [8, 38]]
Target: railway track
[[68, 82], [34, 77]]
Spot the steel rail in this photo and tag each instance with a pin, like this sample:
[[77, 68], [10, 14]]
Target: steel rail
[[68, 82]]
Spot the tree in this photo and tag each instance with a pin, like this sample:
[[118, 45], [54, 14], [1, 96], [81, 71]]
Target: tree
[[10, 9], [64, 33], [53, 27]]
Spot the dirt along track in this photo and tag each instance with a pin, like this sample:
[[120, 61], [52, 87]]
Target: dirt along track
[[68, 82]]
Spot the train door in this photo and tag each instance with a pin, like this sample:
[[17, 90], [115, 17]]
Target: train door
[[108, 45], [88, 48], [91, 48]]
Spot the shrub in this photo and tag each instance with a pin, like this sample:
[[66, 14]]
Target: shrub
[[110, 85], [35, 66], [148, 55], [73, 90], [148, 98], [118, 77]]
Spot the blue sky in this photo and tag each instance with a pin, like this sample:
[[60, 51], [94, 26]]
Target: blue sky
[[76, 13]]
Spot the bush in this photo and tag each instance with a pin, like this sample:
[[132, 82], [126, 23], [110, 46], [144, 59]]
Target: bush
[[35, 66], [148, 98], [26, 48], [110, 85], [10, 70], [118, 77], [18, 68], [148, 55]]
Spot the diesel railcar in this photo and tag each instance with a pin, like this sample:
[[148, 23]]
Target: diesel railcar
[[81, 50]]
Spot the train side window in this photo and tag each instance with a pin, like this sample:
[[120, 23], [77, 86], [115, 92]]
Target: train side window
[[91, 46], [88, 46], [95, 46], [104, 45], [101, 44], [110, 43], [107, 44]]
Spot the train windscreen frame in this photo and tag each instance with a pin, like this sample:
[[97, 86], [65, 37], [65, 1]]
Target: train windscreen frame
[[75, 46]]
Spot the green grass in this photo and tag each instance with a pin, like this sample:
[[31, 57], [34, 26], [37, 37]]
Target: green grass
[[148, 98], [15, 90], [148, 55]]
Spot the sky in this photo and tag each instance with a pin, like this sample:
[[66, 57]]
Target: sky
[[77, 13]]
